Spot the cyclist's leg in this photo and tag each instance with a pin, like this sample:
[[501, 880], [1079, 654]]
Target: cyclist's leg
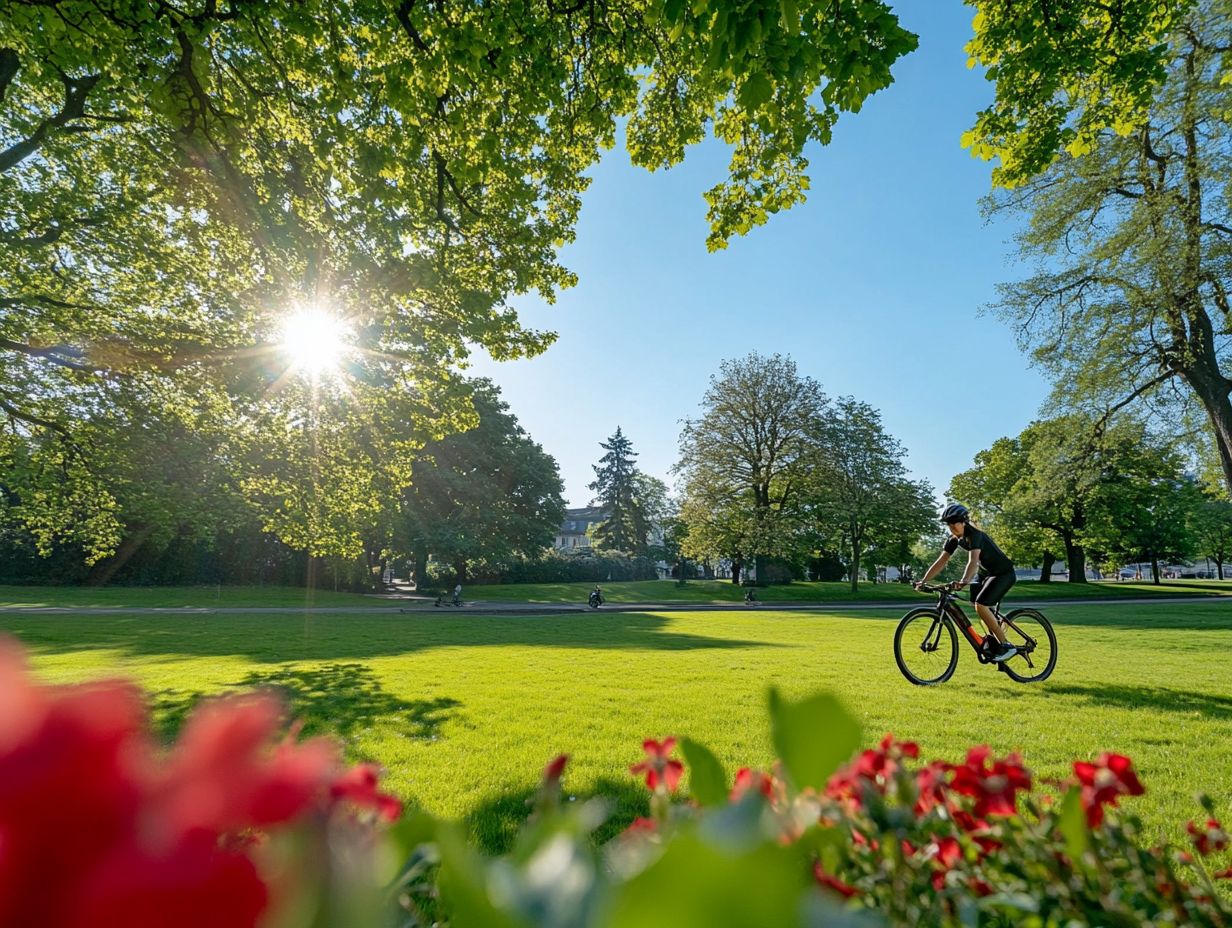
[[991, 592]]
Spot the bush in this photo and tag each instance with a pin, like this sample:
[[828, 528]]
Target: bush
[[557, 568]]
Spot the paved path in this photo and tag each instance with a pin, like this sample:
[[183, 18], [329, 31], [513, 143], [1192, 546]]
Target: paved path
[[425, 607]]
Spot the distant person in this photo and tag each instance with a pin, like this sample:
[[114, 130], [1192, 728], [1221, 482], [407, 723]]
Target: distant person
[[457, 594], [750, 597], [596, 597], [996, 571]]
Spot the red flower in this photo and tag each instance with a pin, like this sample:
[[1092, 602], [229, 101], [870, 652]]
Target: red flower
[[358, 786], [832, 882], [949, 852], [97, 830], [993, 788], [873, 767], [930, 784], [748, 779], [641, 825], [555, 768], [1223, 874], [1210, 839], [1104, 782], [657, 766]]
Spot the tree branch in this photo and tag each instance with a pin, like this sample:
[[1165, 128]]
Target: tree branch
[[75, 92], [9, 63], [54, 354]]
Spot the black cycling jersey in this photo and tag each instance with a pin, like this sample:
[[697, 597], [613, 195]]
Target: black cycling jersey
[[992, 558]]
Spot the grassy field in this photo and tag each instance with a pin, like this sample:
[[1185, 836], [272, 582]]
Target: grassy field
[[171, 596], [718, 591], [465, 710]]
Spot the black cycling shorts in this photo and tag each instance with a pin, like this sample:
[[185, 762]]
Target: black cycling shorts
[[993, 588]]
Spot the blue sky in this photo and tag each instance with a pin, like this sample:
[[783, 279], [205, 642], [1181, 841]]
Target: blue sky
[[873, 286]]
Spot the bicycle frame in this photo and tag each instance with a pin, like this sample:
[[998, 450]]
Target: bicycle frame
[[947, 604]]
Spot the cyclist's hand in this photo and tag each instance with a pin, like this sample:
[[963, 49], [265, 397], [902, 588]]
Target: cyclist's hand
[[916, 584], [955, 584]]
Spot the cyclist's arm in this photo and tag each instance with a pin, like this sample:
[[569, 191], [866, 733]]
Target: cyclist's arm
[[973, 565], [938, 565]]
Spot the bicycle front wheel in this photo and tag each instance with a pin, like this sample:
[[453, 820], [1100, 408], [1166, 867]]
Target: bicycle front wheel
[[926, 647], [1030, 632]]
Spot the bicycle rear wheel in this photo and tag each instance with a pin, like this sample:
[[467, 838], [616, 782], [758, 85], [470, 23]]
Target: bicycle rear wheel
[[1031, 632], [926, 647]]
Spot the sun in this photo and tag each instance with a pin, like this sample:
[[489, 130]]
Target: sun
[[316, 341]]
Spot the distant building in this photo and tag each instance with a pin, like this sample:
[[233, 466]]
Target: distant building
[[572, 536]]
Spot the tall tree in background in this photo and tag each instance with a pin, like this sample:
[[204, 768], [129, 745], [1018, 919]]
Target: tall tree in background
[[490, 493], [1133, 241], [616, 490], [746, 461], [858, 484]]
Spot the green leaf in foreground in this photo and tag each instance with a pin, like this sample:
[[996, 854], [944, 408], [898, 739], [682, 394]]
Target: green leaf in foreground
[[812, 737], [1073, 824], [707, 779], [694, 885]]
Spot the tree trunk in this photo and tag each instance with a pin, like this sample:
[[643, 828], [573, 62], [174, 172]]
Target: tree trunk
[[1046, 571], [855, 566], [459, 568], [1218, 570], [759, 565], [737, 565], [421, 569], [1076, 560], [1154, 569]]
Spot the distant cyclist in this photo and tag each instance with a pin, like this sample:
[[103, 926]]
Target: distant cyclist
[[996, 571]]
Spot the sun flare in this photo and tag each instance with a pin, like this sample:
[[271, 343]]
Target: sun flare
[[316, 341]]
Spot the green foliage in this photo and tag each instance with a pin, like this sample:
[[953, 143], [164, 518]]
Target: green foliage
[[1066, 73], [177, 178], [633, 500], [812, 737], [1211, 529], [1130, 240], [860, 493], [745, 462], [486, 494]]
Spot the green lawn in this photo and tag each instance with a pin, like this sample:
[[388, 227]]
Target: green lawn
[[464, 711], [718, 591], [170, 596]]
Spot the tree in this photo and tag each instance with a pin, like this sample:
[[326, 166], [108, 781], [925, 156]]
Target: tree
[[1147, 512], [858, 485], [988, 489], [1133, 243], [1211, 530], [176, 176], [616, 489], [490, 493], [746, 461]]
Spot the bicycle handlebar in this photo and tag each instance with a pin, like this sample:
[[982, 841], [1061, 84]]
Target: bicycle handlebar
[[929, 588]]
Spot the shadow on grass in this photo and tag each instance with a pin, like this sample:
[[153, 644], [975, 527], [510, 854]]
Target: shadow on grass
[[271, 638], [494, 824], [1148, 697], [339, 699]]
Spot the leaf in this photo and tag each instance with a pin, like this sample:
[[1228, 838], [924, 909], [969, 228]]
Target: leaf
[[1072, 821], [813, 737], [757, 90], [707, 779], [791, 15], [694, 885], [672, 10]]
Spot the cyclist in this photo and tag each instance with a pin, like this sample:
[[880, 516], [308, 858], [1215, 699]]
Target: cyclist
[[996, 571]]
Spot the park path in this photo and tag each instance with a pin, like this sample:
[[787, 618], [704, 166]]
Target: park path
[[425, 607]]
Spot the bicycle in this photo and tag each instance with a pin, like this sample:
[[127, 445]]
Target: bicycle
[[926, 644]]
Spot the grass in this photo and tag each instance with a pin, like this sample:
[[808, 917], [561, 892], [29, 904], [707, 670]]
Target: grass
[[720, 591], [464, 711], [172, 596]]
